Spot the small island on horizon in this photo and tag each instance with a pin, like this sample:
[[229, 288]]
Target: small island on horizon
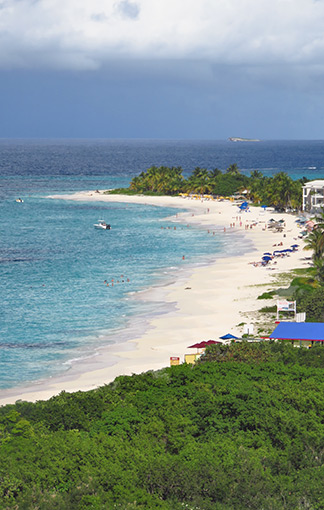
[[237, 139]]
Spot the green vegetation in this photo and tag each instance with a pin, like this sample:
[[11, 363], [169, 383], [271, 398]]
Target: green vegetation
[[129, 191], [120, 191], [261, 352], [244, 428], [267, 295], [279, 191], [305, 289], [308, 290], [269, 309], [315, 242], [313, 304]]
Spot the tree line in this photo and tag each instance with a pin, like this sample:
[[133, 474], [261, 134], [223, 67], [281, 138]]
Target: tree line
[[279, 191]]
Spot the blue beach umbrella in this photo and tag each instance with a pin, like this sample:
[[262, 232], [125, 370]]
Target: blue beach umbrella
[[243, 206], [266, 257], [267, 253], [294, 245], [228, 337]]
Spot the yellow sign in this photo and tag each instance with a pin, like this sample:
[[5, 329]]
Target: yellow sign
[[174, 360], [191, 358]]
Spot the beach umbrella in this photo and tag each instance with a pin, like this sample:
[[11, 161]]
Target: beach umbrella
[[228, 337], [267, 253], [266, 257], [212, 342], [199, 345], [264, 206], [294, 245]]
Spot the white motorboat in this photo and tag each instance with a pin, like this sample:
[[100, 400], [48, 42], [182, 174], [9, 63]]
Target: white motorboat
[[102, 224]]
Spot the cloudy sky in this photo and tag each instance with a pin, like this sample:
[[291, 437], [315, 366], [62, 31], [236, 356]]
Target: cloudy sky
[[162, 68]]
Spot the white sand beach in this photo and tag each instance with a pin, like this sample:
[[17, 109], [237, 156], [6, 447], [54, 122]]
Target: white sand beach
[[209, 302]]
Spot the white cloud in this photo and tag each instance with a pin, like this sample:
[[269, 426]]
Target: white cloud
[[79, 34]]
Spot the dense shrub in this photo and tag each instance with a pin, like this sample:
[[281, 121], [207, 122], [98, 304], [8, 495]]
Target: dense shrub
[[242, 429]]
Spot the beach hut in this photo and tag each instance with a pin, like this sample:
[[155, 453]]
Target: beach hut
[[299, 333]]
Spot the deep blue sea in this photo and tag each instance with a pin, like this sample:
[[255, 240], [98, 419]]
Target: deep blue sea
[[54, 304]]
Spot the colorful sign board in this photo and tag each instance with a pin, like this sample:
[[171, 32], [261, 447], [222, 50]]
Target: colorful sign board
[[285, 306]]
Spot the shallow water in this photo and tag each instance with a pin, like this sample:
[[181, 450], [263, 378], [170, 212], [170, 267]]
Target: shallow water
[[54, 270]]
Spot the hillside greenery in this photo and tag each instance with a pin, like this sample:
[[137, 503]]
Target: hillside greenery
[[243, 429], [279, 191]]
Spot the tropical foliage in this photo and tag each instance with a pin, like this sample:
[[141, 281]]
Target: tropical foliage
[[164, 180], [313, 304], [279, 191], [315, 242], [242, 429]]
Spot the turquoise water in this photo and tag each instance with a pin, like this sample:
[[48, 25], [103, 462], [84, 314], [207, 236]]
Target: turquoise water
[[53, 269], [54, 304]]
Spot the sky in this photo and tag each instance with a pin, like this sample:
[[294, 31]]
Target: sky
[[183, 69]]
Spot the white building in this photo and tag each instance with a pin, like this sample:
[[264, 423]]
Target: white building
[[313, 195]]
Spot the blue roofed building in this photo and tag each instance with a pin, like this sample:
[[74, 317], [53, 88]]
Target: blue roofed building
[[299, 333]]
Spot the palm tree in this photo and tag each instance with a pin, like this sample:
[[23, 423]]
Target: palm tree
[[319, 220], [256, 174], [283, 192], [233, 169], [319, 265], [215, 173], [315, 241], [199, 180]]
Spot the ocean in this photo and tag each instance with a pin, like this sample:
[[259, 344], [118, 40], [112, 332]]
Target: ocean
[[55, 305]]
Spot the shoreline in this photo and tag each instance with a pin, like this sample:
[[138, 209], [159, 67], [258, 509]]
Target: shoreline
[[196, 309]]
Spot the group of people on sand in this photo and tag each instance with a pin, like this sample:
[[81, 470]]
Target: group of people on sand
[[276, 254]]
